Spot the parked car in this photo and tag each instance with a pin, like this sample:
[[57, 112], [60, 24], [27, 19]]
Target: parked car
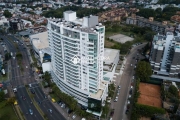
[[112, 112], [70, 111], [109, 99], [127, 111], [115, 100], [74, 116]]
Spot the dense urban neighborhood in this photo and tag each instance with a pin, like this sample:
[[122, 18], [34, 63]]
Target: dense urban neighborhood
[[90, 60]]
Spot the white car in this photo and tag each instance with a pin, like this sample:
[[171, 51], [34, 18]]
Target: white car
[[50, 110], [115, 100], [74, 116]]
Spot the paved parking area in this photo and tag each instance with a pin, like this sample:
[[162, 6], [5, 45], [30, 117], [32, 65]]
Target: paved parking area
[[121, 38]]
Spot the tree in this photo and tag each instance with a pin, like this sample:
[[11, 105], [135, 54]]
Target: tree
[[47, 77], [149, 36], [143, 71], [7, 56], [2, 96], [7, 14], [173, 90], [146, 12], [79, 2]]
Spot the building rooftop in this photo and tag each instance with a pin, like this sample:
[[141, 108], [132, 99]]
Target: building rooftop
[[110, 55], [87, 24], [100, 92], [40, 40]]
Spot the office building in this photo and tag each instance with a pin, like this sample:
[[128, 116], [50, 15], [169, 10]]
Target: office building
[[77, 49]]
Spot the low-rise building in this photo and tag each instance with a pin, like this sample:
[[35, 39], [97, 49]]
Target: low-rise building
[[3, 21], [40, 46], [111, 59], [116, 14], [176, 18]]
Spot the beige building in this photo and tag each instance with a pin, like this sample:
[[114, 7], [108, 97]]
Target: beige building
[[113, 15]]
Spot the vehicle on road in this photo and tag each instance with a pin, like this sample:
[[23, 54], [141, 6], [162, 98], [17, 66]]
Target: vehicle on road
[[50, 110], [30, 85], [31, 112], [32, 91], [45, 97], [23, 97]]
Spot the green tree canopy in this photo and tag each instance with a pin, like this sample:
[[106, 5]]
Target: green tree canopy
[[7, 14], [173, 90], [146, 13], [2, 95], [143, 71]]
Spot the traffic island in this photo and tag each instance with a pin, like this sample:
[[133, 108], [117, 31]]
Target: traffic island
[[44, 116]]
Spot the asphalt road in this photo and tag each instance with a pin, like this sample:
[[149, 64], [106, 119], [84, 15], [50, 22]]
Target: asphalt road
[[124, 80], [26, 76], [45, 104], [18, 81], [26, 105], [27, 73]]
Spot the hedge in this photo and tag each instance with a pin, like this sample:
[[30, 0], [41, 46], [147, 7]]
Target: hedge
[[149, 111]]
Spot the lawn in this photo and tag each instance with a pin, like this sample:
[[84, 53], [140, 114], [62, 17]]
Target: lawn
[[3, 77], [7, 112]]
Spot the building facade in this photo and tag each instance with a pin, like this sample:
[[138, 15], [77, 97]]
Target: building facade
[[16, 24], [76, 49], [165, 55], [143, 22]]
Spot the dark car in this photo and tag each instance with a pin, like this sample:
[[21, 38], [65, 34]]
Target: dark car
[[112, 113], [70, 111], [127, 111], [23, 97], [32, 91]]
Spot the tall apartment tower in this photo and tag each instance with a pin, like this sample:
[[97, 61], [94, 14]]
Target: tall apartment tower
[[77, 47], [165, 55]]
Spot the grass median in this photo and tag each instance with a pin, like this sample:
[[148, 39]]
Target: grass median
[[36, 105]]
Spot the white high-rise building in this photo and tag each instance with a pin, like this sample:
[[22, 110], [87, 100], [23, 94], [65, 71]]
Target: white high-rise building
[[77, 48]]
